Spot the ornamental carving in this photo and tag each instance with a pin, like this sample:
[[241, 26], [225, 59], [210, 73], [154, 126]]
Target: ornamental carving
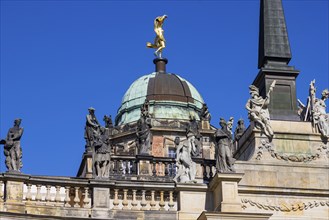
[[324, 149], [284, 207], [281, 156]]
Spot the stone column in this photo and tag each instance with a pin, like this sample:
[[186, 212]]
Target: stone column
[[225, 192]]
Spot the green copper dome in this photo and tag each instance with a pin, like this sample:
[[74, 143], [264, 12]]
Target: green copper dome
[[170, 97]]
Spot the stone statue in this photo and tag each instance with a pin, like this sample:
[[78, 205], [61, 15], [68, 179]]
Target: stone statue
[[240, 128], [98, 142], [159, 41], [143, 133], [315, 110], [230, 125], [258, 111], [108, 121], [194, 137], [92, 130], [102, 153], [320, 117], [223, 152], [205, 114], [12, 147], [186, 168]]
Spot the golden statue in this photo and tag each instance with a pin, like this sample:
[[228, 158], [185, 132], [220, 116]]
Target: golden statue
[[159, 41]]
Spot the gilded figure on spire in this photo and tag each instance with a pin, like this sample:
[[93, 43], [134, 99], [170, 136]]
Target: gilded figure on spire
[[159, 41]]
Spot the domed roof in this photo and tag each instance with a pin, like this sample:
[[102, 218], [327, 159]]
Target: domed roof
[[170, 97]]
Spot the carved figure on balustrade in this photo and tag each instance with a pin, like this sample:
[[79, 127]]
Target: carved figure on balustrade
[[186, 168], [92, 130], [315, 110], [240, 128], [320, 116], [12, 147], [258, 112], [102, 153], [205, 114], [230, 125], [194, 138], [108, 121], [223, 151], [143, 133]]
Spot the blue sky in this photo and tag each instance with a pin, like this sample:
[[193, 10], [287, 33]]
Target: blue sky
[[60, 57]]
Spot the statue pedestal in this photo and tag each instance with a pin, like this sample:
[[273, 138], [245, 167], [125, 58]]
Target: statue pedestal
[[225, 192], [192, 200], [14, 192], [86, 166], [205, 125]]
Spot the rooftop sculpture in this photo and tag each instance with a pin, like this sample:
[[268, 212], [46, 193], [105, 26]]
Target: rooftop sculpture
[[258, 112], [12, 147], [315, 110], [159, 41], [224, 144]]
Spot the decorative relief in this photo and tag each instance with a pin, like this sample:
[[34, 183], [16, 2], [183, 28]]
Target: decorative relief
[[284, 207], [281, 156], [324, 149]]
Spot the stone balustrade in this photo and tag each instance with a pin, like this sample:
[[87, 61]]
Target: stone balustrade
[[52, 194], [81, 197], [208, 168], [56, 191], [162, 167], [143, 165], [133, 199]]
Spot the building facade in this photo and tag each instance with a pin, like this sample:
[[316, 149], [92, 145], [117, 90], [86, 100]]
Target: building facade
[[162, 159]]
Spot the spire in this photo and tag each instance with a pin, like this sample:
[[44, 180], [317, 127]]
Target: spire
[[273, 59], [274, 48]]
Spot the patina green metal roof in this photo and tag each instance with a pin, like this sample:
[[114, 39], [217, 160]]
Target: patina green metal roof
[[170, 96]]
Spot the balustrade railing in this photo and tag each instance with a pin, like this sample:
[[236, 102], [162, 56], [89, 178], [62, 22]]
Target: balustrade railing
[[130, 165], [208, 168], [145, 193], [156, 166], [53, 192], [133, 199]]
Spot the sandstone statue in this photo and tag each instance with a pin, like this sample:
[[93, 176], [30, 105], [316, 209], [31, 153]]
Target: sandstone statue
[[320, 117], [230, 125], [193, 136], [143, 133], [239, 130], [102, 154], [205, 114], [186, 168], [223, 151], [12, 147], [315, 110], [258, 110], [98, 142], [108, 121], [92, 130]]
